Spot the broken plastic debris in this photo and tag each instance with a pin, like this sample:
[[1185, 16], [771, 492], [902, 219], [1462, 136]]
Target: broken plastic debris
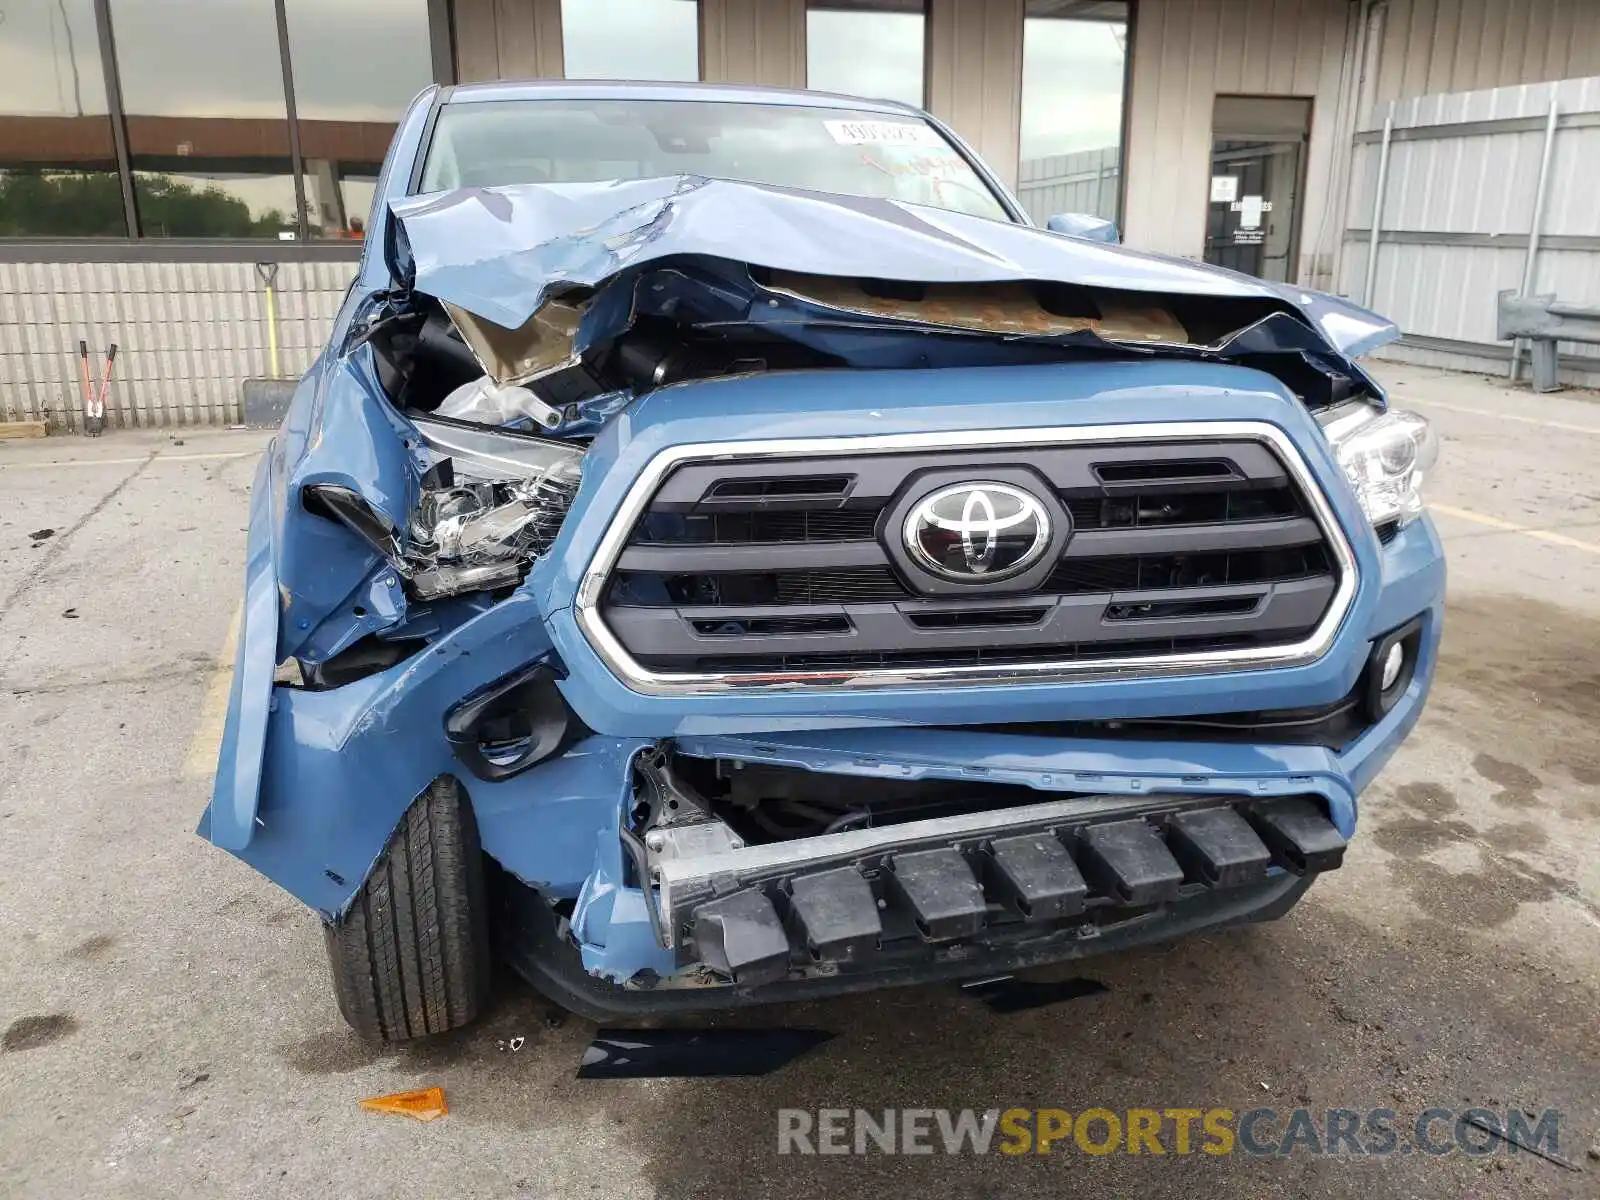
[[517, 1043], [483, 402], [39, 535], [1512, 1137], [1007, 994], [694, 1053], [425, 1104]]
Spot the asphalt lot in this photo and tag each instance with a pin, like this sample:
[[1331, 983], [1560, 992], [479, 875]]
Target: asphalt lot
[[171, 1030]]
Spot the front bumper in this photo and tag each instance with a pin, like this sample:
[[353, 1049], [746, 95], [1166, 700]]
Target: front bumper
[[760, 914], [535, 945], [611, 921]]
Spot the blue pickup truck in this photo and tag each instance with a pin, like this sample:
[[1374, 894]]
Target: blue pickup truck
[[727, 553]]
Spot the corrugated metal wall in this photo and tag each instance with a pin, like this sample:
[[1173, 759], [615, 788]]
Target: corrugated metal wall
[[1458, 207], [1434, 46], [187, 334], [1085, 182]]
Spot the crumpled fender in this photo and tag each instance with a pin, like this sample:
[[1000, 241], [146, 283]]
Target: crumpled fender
[[338, 768], [306, 578], [230, 820], [341, 431]]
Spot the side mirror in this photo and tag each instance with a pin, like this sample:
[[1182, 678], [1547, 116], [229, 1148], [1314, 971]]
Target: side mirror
[[1090, 228]]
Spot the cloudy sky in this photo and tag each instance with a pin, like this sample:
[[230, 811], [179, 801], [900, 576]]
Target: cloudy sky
[[1071, 86], [35, 67], [865, 54]]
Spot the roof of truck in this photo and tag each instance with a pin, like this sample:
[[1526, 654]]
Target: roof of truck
[[621, 89]]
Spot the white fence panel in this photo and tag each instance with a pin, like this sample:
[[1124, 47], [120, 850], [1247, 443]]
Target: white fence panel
[[1457, 212]]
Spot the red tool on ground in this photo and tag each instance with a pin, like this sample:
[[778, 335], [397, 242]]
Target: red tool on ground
[[94, 409], [88, 387]]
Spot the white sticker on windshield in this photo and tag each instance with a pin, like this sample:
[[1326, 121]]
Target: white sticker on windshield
[[883, 133]]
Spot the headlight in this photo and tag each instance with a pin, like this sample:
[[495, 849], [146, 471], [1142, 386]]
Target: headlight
[[1387, 457], [491, 503]]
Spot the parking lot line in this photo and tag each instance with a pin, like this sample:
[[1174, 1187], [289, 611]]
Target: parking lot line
[[1500, 416], [123, 462], [207, 740], [1544, 535]]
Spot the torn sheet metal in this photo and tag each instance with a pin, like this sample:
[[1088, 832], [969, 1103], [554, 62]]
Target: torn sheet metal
[[1005, 308], [503, 253], [541, 344]]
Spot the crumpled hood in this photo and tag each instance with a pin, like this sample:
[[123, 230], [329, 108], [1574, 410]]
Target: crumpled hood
[[501, 253]]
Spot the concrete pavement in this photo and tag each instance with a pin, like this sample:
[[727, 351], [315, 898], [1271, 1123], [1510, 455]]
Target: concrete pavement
[[171, 1031]]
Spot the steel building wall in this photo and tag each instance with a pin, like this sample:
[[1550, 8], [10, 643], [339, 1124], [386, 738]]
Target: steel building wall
[[1188, 52], [1458, 207], [190, 332], [1433, 46], [975, 76], [507, 39], [187, 334], [754, 41]]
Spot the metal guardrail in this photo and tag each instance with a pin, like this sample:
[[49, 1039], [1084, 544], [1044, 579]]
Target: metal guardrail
[[1544, 321]]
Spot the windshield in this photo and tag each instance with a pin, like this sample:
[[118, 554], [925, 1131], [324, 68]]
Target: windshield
[[590, 141]]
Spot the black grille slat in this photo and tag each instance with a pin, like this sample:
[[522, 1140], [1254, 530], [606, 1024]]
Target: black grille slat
[[745, 589], [976, 656], [768, 626], [828, 587], [776, 526], [1146, 572], [1142, 510], [1145, 472], [1176, 548], [792, 486]]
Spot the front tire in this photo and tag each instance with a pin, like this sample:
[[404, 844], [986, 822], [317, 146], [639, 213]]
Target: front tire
[[411, 956]]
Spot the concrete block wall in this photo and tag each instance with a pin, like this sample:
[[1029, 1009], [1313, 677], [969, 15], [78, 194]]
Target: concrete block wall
[[187, 334]]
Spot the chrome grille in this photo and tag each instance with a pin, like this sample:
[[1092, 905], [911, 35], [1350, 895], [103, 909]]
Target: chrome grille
[[775, 563]]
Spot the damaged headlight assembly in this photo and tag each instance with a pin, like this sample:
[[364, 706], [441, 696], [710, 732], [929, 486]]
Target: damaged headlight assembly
[[1386, 456], [491, 503]]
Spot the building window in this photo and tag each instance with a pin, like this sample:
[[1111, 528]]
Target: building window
[[58, 170], [347, 117], [199, 88], [1074, 69], [871, 48], [631, 39], [208, 131]]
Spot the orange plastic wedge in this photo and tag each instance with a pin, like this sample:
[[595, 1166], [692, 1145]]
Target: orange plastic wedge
[[425, 1104]]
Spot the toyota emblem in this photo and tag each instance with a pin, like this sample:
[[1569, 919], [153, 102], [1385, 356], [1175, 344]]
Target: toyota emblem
[[974, 532]]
